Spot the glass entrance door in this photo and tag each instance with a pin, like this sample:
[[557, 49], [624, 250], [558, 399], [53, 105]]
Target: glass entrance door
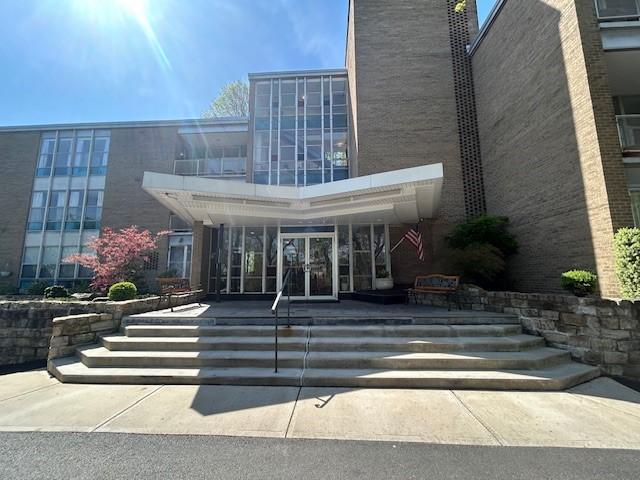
[[311, 258], [294, 254]]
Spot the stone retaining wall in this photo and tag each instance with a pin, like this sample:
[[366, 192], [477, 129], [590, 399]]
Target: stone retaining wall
[[26, 326], [70, 332], [596, 331]]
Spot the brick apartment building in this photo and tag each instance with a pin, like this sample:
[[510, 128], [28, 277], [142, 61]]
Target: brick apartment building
[[536, 116]]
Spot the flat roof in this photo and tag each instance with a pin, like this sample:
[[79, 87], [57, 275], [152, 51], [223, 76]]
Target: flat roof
[[398, 196], [298, 73], [187, 122]]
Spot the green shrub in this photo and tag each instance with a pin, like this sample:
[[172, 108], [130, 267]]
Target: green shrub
[[36, 288], [122, 291], [579, 282], [56, 291], [485, 229], [626, 246], [479, 263]]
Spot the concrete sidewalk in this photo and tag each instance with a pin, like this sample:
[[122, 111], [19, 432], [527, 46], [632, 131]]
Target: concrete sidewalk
[[601, 413]]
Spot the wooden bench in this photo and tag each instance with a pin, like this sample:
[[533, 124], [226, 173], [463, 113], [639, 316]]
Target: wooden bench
[[441, 284], [173, 286]]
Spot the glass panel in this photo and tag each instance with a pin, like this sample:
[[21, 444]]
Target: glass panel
[[45, 161], [93, 210], [293, 257], [74, 211], [62, 162], [49, 262], [343, 258], [36, 214], [84, 272], [177, 256], [81, 159], [223, 261], [253, 259], [100, 156], [56, 210], [618, 8], [320, 266], [379, 249], [31, 255], [362, 257], [271, 261], [236, 259]]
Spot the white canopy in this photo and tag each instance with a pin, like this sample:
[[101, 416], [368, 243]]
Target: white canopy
[[399, 196]]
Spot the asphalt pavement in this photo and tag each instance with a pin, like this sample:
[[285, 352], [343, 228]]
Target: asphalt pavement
[[47, 455]]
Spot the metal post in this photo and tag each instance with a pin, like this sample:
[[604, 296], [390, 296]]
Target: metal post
[[276, 344], [289, 301], [219, 262]]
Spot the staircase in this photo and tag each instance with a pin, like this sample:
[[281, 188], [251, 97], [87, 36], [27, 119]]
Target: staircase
[[466, 352]]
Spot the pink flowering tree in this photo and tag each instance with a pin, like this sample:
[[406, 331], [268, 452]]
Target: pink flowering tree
[[119, 255]]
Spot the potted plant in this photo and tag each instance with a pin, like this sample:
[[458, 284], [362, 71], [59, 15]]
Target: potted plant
[[384, 280]]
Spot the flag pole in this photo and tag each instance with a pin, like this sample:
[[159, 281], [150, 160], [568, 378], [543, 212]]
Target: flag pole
[[397, 244]]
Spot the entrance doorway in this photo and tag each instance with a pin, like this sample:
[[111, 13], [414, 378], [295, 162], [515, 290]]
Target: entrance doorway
[[311, 257]]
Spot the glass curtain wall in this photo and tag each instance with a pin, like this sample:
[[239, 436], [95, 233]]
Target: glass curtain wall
[[66, 204], [250, 265], [300, 131]]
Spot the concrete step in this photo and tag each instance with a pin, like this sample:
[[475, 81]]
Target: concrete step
[[437, 318], [361, 343], [557, 377], [95, 356], [323, 331], [553, 378]]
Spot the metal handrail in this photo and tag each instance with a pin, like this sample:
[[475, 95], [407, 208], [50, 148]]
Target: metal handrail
[[274, 311]]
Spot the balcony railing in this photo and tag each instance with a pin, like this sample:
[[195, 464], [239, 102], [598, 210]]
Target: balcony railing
[[610, 10], [211, 167], [629, 130]]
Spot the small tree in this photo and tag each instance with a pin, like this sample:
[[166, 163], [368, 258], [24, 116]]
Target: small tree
[[479, 248], [119, 255], [232, 101]]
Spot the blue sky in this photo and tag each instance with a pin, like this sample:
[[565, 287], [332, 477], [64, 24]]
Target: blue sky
[[109, 60]]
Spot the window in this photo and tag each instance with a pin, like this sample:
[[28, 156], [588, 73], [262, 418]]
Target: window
[[301, 115], [30, 262], [84, 272], [36, 214], [81, 158], [55, 212], [93, 210], [67, 270], [45, 161], [62, 162], [180, 255], [100, 156], [49, 262], [362, 257], [253, 259], [74, 210]]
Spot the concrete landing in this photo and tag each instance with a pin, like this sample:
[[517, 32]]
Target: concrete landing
[[601, 413]]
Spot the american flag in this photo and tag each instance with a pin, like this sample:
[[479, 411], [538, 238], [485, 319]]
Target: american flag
[[415, 237]]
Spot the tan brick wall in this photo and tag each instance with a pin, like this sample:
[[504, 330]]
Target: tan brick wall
[[18, 158], [549, 159], [132, 152], [405, 110]]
